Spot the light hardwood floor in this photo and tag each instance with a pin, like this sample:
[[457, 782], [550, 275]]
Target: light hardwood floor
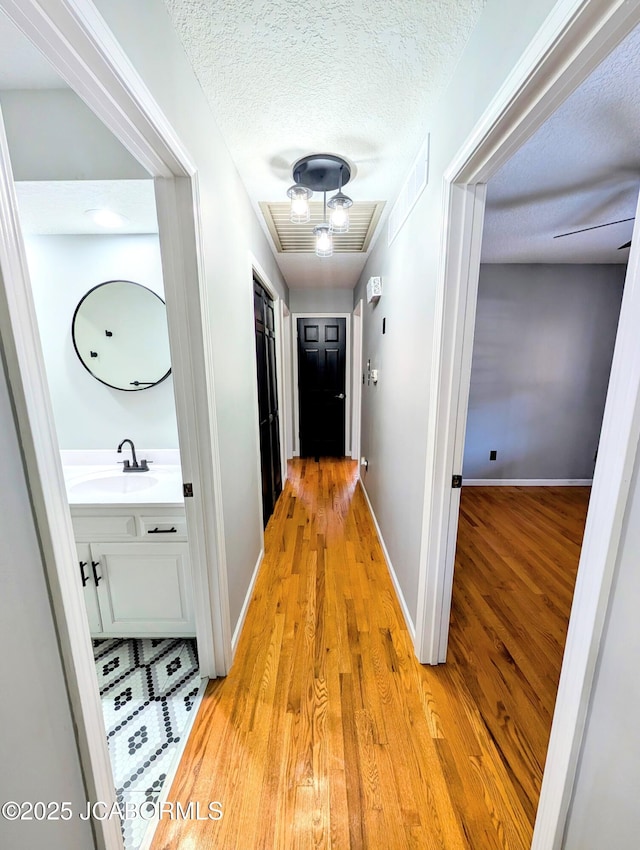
[[327, 733]]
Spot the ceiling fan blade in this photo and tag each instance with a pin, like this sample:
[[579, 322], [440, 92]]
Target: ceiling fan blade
[[626, 245], [593, 227]]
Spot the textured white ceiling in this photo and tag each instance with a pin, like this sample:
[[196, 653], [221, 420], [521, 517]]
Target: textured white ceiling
[[581, 168], [48, 207], [290, 78], [22, 66]]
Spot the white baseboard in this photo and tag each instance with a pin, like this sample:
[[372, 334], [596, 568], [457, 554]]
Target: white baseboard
[[526, 482], [394, 578], [245, 605]]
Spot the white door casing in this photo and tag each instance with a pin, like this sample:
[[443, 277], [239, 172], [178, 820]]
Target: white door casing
[[574, 39], [81, 48], [30, 394]]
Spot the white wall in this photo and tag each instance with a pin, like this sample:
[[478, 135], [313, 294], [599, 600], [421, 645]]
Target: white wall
[[320, 300], [604, 811], [38, 751], [88, 414], [231, 231], [53, 135], [395, 412], [542, 352]]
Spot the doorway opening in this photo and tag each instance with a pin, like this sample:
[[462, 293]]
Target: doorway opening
[[543, 345], [546, 315], [98, 297], [510, 122], [189, 552]]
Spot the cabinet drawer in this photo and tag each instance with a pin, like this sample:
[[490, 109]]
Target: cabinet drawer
[[161, 528], [108, 527]]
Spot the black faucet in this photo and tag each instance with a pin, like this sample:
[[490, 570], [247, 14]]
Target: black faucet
[[134, 466]]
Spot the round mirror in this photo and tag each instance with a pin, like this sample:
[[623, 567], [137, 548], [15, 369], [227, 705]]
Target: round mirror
[[120, 334]]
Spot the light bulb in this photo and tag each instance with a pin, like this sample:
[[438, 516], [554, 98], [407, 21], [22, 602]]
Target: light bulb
[[324, 240], [300, 207], [339, 218], [300, 212]]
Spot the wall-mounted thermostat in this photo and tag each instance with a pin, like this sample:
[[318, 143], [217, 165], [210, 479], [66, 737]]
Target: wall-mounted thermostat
[[374, 289]]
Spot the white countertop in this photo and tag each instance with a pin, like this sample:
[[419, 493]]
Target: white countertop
[[92, 481]]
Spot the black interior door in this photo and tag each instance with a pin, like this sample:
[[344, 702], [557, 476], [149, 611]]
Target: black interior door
[[321, 386], [267, 399]]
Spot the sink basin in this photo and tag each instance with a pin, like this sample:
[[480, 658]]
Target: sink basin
[[133, 482]]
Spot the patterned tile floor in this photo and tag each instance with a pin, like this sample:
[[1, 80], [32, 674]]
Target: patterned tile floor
[[148, 688]]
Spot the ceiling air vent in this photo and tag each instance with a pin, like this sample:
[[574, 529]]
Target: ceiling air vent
[[289, 237], [412, 189]]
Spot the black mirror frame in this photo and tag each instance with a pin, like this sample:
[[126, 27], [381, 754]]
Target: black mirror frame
[[80, 358]]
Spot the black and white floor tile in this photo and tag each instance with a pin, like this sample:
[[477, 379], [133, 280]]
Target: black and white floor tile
[[147, 688]]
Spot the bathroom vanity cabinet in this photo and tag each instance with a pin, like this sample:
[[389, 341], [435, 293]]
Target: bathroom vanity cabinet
[[134, 567]]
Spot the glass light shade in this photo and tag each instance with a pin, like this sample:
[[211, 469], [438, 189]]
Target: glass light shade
[[300, 212], [339, 218], [324, 240]]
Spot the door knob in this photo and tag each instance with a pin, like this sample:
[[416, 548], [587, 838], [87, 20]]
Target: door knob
[[340, 395]]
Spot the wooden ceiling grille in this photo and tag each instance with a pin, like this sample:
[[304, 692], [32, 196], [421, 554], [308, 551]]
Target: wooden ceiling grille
[[299, 238]]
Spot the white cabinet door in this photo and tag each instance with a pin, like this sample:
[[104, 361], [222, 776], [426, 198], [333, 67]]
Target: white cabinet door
[[89, 588], [144, 588]]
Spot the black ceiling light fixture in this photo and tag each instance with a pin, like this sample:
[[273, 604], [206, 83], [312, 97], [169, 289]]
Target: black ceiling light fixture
[[322, 172]]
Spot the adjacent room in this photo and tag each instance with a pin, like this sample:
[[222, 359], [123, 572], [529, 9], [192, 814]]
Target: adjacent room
[[559, 218]]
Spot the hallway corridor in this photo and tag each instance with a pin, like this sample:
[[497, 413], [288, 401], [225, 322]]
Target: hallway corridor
[[327, 733]]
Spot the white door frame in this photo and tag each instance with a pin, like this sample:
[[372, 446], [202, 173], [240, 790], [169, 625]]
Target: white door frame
[[356, 415], [30, 396], [576, 36], [81, 48], [296, 394]]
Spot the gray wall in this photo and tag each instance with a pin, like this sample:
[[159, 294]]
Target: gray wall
[[38, 754], [395, 412], [542, 354], [605, 810], [232, 234], [321, 300]]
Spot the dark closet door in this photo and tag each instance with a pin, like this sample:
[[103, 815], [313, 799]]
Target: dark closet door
[[321, 386], [267, 399]]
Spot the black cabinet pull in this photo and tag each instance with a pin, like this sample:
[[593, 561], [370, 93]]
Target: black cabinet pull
[[96, 577], [84, 578], [156, 530]]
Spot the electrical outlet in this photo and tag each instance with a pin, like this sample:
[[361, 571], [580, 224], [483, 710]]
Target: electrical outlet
[[493, 454]]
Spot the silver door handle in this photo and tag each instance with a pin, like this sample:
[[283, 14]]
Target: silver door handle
[[340, 395]]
